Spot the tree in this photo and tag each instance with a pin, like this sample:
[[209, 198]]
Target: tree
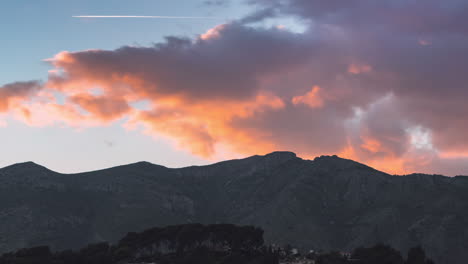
[[380, 253], [416, 255], [331, 258]]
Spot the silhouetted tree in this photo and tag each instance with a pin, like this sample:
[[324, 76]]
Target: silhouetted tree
[[331, 258], [381, 254], [416, 255], [196, 243]]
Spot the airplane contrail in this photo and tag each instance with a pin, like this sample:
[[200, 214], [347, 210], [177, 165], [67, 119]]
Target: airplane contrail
[[157, 17]]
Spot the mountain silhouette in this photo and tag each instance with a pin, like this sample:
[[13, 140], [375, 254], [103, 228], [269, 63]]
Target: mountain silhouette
[[328, 203]]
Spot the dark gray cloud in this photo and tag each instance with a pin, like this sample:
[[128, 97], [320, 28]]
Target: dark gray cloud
[[419, 16], [228, 62]]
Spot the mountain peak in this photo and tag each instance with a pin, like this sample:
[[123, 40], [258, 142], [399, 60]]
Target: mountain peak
[[143, 163], [29, 163], [26, 168], [336, 159], [280, 156], [26, 165], [282, 153]]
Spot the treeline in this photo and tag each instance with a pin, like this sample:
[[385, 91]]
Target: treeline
[[200, 244], [182, 244], [379, 254]]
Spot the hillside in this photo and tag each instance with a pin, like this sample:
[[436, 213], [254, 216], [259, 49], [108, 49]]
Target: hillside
[[327, 203]]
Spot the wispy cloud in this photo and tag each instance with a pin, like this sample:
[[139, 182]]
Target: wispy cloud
[[154, 17]]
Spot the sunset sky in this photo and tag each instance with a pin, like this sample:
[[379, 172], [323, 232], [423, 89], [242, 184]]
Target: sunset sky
[[384, 83]]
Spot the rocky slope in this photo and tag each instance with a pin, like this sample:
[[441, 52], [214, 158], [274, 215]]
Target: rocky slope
[[328, 203]]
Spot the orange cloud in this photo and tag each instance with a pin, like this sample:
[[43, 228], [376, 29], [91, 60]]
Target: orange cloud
[[389, 163], [102, 107], [15, 94], [201, 128], [453, 155], [359, 68], [213, 32], [313, 98], [372, 145]]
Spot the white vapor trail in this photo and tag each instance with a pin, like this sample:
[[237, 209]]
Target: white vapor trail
[[157, 17]]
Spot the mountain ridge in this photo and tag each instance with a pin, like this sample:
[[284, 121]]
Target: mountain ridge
[[327, 203], [272, 154]]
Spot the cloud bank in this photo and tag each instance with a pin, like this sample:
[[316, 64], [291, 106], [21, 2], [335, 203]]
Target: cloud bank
[[382, 82]]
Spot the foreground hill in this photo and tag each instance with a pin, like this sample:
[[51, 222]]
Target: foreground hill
[[328, 203]]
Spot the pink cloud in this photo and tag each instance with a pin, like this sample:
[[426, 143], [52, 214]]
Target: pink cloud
[[312, 98]]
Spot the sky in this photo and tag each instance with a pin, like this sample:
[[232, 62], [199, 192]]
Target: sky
[[380, 82]]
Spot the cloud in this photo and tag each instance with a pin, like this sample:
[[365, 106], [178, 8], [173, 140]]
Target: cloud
[[206, 69], [259, 15], [195, 88], [359, 82], [101, 107], [15, 93], [430, 16], [312, 98]]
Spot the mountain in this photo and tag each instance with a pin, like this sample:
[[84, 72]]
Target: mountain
[[327, 203]]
